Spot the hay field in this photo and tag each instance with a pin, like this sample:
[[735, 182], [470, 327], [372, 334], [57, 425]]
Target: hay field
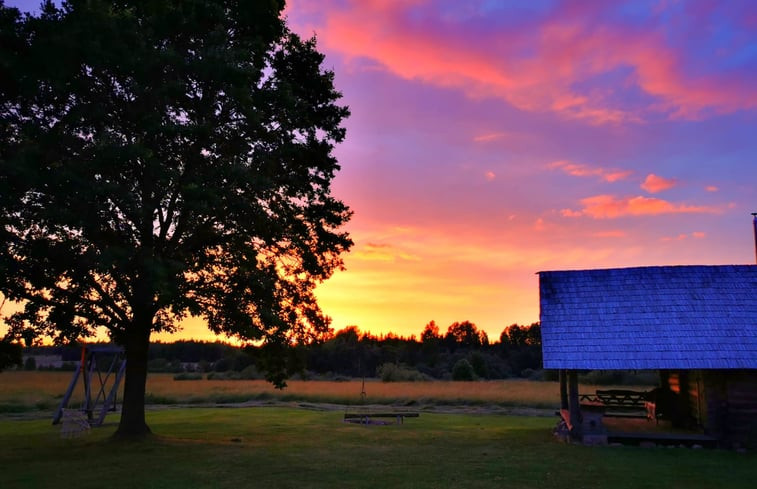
[[24, 391], [505, 392]]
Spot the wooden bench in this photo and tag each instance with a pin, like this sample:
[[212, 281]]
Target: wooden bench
[[622, 398], [366, 418]]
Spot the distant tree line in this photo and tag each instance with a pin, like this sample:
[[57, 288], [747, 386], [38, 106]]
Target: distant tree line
[[463, 352]]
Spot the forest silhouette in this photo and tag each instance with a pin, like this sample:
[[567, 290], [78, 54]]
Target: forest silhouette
[[463, 352]]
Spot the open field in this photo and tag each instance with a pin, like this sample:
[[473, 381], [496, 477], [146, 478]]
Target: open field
[[297, 448], [24, 391]]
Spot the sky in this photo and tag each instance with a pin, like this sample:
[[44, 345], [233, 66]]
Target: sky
[[491, 140]]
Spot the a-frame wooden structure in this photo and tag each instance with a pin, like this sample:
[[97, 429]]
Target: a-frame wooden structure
[[100, 383]]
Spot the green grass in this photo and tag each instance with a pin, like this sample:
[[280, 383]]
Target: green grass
[[283, 447]]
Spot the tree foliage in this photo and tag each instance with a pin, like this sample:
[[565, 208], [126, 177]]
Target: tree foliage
[[466, 333], [516, 335], [10, 354], [166, 158], [430, 334]]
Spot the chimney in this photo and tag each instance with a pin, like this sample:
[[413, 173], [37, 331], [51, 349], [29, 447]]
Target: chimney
[[754, 222]]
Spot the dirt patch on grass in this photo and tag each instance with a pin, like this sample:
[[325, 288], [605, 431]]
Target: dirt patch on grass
[[482, 409], [477, 409]]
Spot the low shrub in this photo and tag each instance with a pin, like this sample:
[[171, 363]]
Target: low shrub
[[151, 398], [551, 375], [188, 376], [391, 372], [463, 370], [247, 373], [250, 373], [533, 374], [227, 375], [14, 408]]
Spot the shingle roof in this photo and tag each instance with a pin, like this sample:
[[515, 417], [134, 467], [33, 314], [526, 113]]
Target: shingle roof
[[650, 318]]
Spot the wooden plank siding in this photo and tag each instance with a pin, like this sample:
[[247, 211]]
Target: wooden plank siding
[[741, 418], [722, 402]]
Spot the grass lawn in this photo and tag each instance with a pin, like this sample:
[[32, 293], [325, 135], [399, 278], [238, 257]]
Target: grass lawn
[[288, 447]]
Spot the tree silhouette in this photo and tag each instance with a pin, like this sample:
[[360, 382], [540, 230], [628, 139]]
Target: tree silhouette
[[466, 334], [516, 335], [164, 158], [10, 354], [430, 334]]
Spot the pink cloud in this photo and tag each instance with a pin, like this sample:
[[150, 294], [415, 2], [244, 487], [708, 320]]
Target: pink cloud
[[615, 175], [615, 233], [490, 175], [610, 207], [489, 137], [683, 236], [581, 170], [680, 237], [654, 183], [711, 188], [542, 66], [382, 252]]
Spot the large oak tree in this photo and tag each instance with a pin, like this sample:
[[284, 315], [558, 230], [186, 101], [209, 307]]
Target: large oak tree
[[166, 158]]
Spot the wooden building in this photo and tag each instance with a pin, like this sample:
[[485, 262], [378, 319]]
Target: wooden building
[[696, 325]]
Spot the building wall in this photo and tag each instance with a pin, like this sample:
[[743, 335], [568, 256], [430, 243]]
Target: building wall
[[741, 425], [46, 361], [727, 407]]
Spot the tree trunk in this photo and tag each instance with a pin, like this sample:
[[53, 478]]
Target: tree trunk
[[132, 424]]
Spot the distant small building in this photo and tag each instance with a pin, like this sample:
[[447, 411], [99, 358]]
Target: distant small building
[[45, 361], [697, 325]]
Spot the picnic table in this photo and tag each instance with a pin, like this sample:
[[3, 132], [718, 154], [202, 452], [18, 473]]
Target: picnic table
[[622, 403]]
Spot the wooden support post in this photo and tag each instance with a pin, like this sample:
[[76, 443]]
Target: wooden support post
[[110, 402], [67, 396], [562, 374], [573, 405], [87, 377]]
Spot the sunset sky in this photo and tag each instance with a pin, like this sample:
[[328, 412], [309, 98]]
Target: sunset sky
[[489, 142]]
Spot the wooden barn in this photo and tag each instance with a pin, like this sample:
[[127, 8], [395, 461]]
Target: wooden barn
[[696, 325]]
